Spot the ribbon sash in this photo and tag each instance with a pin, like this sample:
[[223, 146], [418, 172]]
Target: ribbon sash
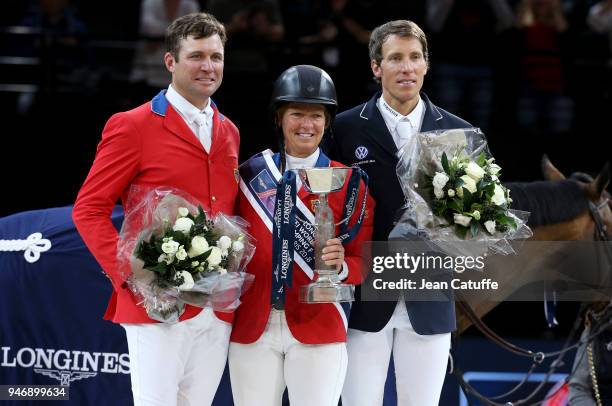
[[287, 217], [283, 236]]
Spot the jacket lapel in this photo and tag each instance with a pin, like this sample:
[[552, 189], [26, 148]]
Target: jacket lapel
[[217, 140], [374, 127], [176, 125], [432, 117], [173, 121]]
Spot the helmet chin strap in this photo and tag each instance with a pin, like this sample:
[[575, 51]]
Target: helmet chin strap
[[281, 148]]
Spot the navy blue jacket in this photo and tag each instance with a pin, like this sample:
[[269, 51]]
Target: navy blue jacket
[[363, 128]]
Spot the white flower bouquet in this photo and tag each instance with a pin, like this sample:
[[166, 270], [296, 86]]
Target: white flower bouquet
[[179, 255], [453, 191]]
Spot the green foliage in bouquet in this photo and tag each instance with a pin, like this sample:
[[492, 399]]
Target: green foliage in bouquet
[[468, 194], [186, 250]]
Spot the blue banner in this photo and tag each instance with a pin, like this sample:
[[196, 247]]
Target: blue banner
[[51, 326]]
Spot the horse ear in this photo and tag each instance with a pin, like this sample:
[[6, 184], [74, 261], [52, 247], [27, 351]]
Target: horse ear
[[549, 171], [601, 182]]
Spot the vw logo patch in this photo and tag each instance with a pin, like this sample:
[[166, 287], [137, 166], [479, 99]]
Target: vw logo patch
[[361, 152]]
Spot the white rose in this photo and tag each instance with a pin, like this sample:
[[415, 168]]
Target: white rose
[[439, 180], [439, 193], [451, 193], [224, 242], [461, 219], [188, 282], [168, 259], [183, 212], [195, 264], [237, 246], [494, 178], [199, 245], [494, 169], [476, 215], [474, 171], [459, 191], [490, 226], [214, 258], [181, 254], [498, 197], [183, 224], [170, 247], [468, 183]]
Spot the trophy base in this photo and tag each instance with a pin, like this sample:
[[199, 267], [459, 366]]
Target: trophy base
[[327, 293]]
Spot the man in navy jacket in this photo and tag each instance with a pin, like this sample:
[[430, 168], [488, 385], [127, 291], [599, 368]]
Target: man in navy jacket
[[371, 136]]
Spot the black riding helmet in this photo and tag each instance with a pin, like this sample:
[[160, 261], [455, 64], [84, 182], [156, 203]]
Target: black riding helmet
[[303, 84]]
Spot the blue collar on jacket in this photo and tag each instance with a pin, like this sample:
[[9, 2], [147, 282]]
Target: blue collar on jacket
[[159, 105]]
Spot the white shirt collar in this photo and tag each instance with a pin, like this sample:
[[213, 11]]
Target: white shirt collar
[[310, 161], [187, 110], [392, 117]]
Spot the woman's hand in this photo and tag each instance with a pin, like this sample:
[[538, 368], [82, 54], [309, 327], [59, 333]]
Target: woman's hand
[[333, 253]]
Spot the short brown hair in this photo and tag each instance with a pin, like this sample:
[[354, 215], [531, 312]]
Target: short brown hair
[[401, 28], [198, 25]]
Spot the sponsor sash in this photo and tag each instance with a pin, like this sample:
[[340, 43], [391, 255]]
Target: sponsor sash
[[288, 219]]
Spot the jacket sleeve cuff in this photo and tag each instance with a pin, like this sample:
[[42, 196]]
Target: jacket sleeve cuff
[[344, 271]]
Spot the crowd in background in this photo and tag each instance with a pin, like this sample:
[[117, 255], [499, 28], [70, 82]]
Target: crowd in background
[[535, 75]]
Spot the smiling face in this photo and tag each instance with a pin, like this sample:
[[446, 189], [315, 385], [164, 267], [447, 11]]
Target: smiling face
[[303, 126], [197, 70], [401, 72]]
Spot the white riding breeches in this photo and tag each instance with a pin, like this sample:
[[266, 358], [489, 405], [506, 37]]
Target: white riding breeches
[[177, 364], [420, 363], [312, 373]]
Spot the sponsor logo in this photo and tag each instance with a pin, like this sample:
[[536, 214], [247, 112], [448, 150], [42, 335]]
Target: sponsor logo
[[65, 366], [361, 152]]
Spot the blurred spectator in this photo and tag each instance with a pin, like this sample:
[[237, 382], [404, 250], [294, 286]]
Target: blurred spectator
[[260, 18], [252, 27], [149, 71], [309, 33], [58, 18], [58, 40], [465, 35], [600, 19], [543, 105]]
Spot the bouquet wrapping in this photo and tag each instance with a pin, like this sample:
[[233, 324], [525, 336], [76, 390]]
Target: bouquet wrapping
[[453, 193], [174, 253]]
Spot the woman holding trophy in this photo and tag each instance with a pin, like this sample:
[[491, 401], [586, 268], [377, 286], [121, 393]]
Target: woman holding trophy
[[286, 332]]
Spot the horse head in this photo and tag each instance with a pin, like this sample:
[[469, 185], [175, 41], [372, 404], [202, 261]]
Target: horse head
[[577, 208], [594, 223]]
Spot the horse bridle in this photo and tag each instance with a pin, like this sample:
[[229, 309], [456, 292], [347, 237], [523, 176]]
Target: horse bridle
[[600, 235], [601, 230]]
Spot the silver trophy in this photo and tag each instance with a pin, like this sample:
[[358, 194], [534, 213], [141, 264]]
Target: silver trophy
[[327, 288]]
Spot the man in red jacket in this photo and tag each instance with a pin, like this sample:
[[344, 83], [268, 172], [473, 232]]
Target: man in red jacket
[[180, 140]]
